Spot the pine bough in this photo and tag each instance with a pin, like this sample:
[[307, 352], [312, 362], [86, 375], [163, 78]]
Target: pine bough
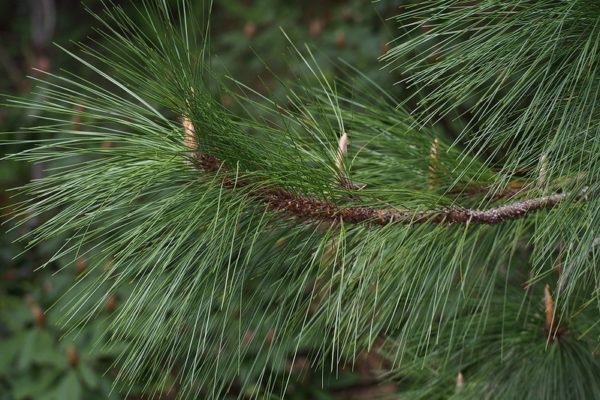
[[337, 222]]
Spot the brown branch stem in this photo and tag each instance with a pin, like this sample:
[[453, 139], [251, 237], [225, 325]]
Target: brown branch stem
[[316, 209], [309, 208]]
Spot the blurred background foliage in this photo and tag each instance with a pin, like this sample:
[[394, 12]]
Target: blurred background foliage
[[40, 358]]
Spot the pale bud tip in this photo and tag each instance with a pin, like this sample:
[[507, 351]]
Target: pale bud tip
[[342, 150], [543, 170], [343, 143], [190, 134], [460, 380], [549, 307]]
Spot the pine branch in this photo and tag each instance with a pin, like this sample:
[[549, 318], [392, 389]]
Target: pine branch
[[309, 208]]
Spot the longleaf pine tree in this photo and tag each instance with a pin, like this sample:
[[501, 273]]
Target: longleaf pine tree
[[342, 220]]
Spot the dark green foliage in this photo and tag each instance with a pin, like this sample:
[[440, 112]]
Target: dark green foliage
[[509, 357], [41, 361]]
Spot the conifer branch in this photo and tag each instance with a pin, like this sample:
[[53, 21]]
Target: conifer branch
[[309, 208]]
